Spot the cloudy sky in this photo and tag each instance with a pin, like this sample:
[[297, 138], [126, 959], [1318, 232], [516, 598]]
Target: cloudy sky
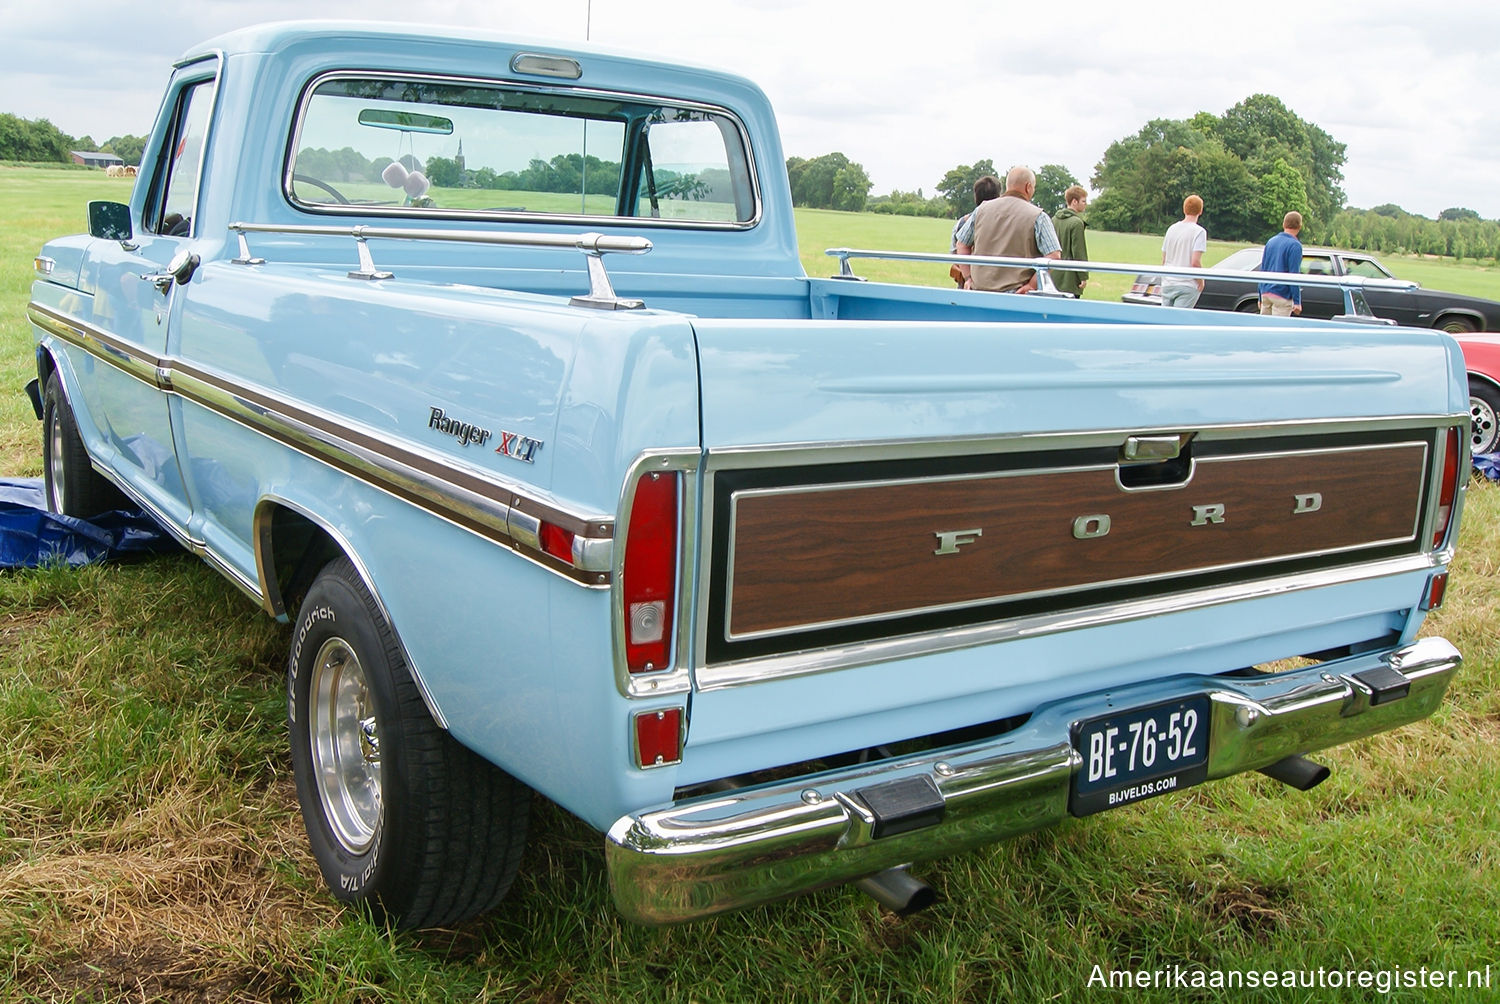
[[911, 89]]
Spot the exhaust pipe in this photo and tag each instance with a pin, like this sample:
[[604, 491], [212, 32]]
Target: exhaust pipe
[[1297, 771], [897, 891]]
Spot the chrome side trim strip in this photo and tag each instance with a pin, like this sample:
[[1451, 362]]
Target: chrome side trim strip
[[97, 342], [981, 601], [724, 851], [739, 673], [466, 497]]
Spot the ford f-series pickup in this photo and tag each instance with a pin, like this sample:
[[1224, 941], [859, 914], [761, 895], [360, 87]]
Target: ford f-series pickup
[[490, 366]]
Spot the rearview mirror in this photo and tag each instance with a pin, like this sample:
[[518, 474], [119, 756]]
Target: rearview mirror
[[110, 221]]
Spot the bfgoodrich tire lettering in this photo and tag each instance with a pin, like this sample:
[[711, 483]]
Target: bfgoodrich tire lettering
[[400, 816]]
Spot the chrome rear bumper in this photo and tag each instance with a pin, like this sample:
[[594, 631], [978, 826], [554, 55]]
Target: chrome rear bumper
[[724, 851]]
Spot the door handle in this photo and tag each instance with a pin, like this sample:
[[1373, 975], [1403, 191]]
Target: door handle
[[179, 270]]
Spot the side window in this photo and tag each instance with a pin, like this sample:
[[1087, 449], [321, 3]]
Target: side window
[[1317, 265], [178, 189], [1365, 269]]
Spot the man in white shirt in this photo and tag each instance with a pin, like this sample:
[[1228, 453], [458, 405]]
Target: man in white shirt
[[1184, 244]]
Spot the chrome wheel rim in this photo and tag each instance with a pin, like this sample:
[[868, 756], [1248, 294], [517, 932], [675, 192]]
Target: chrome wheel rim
[[1483, 426], [345, 746], [56, 486]]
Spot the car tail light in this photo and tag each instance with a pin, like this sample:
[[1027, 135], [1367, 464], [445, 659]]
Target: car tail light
[[1447, 489], [1437, 587], [648, 580], [557, 542], [658, 737]]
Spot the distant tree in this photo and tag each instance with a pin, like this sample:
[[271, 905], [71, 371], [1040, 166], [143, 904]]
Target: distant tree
[[37, 141], [127, 148], [1282, 190], [851, 188], [444, 172], [1456, 213], [957, 186], [1231, 160], [1052, 180], [1389, 209], [85, 143], [831, 181]]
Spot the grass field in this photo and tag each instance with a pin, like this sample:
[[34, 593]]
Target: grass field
[[150, 846]]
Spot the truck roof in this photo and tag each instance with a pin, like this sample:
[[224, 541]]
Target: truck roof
[[276, 36]]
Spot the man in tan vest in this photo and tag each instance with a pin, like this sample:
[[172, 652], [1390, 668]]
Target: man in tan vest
[[1010, 227]]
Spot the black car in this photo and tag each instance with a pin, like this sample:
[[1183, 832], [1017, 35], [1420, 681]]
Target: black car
[[1420, 308]]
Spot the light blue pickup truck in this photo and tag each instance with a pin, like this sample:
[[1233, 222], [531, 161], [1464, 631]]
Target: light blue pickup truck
[[490, 367]]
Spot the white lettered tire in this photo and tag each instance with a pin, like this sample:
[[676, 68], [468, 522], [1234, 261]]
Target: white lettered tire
[[400, 817]]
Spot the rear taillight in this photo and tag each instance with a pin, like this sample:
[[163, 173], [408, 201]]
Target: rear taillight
[[648, 581], [1447, 489], [1437, 588], [658, 737]]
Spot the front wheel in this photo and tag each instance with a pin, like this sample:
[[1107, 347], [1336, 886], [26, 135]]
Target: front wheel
[[400, 817], [1458, 325], [73, 487], [1484, 417], [1248, 307]]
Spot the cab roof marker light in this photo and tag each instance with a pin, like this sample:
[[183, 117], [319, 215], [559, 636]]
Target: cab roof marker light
[[538, 65]]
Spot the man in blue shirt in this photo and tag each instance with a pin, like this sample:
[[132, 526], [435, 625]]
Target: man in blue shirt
[[1283, 254]]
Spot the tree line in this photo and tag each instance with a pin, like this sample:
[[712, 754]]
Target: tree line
[[39, 141], [1251, 165]]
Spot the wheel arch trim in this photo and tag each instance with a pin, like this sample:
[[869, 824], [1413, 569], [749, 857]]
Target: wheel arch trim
[[264, 536]]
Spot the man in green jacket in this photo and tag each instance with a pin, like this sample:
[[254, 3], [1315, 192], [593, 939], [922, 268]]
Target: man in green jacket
[[1070, 224]]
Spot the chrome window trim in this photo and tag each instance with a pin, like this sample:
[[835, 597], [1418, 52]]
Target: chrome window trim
[[758, 670], [524, 217], [470, 498], [190, 81], [677, 677], [803, 628]]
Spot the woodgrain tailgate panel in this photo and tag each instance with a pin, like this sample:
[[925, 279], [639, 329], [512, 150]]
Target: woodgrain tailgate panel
[[810, 556]]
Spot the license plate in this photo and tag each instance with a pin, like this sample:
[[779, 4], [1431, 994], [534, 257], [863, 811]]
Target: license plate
[[1139, 754]]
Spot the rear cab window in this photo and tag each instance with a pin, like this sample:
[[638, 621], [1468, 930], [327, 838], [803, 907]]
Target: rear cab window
[[399, 145]]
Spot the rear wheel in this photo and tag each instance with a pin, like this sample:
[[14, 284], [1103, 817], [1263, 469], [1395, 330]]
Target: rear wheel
[[400, 817], [72, 485], [1484, 417], [1457, 325]]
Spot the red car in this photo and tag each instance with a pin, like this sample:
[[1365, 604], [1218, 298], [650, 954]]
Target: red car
[[1482, 360]]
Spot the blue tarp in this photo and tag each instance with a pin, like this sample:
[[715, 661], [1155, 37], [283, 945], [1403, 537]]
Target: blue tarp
[[32, 536], [1488, 464]]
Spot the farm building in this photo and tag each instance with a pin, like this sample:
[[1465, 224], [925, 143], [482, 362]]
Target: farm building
[[90, 158]]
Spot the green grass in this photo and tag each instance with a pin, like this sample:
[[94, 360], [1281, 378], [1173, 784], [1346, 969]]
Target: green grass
[[151, 848]]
